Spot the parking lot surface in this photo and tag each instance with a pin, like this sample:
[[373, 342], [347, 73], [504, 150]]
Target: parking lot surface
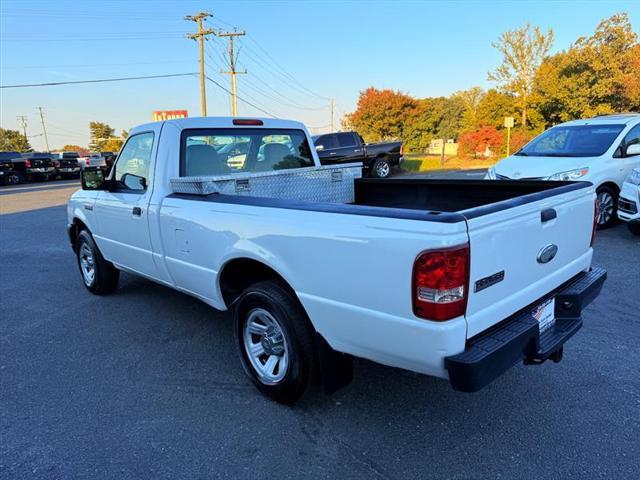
[[146, 384]]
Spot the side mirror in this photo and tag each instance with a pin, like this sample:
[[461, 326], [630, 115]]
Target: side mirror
[[319, 148], [134, 182], [632, 150], [92, 178]]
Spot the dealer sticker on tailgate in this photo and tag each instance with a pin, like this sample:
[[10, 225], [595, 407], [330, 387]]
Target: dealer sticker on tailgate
[[545, 314]]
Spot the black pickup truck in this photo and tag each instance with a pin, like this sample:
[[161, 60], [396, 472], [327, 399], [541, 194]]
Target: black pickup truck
[[8, 174], [348, 147]]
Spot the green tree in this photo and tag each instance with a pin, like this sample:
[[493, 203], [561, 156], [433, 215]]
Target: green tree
[[523, 51], [381, 114], [124, 134], [471, 100], [100, 133], [112, 145], [14, 141], [596, 75]]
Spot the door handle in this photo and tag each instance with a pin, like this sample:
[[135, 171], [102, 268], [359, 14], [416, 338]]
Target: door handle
[[548, 214], [357, 150], [137, 211], [332, 153]]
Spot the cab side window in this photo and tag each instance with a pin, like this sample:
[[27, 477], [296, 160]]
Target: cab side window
[[132, 166], [633, 136], [327, 142]]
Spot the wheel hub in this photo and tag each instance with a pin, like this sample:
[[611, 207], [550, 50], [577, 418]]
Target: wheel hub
[[273, 342]]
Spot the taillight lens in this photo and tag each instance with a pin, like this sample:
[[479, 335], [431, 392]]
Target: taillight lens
[[441, 283], [595, 222], [56, 164], [401, 149], [27, 163], [87, 162]]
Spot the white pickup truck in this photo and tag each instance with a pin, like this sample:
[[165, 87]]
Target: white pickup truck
[[456, 279]]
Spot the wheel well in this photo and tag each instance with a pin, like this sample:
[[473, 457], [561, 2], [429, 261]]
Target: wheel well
[[76, 227], [610, 185], [240, 273]]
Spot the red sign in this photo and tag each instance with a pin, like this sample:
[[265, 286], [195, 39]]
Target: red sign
[[160, 115]]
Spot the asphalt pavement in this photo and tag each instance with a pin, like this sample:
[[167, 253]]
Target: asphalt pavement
[[146, 384]]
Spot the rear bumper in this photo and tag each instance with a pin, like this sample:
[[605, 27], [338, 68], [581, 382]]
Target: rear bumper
[[517, 338]]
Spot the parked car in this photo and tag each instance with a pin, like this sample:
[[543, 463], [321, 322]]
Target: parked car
[[601, 150], [35, 166], [109, 159], [629, 202], [8, 174], [92, 160], [318, 268], [348, 147], [68, 166]]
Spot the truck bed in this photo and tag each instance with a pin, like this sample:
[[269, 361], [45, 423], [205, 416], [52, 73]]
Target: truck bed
[[468, 197]]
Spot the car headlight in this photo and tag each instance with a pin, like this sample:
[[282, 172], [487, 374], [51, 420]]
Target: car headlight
[[491, 174], [634, 177], [570, 175]]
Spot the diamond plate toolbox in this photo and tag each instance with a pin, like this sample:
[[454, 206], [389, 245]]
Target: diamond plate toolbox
[[325, 184]]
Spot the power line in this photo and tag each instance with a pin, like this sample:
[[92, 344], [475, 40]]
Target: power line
[[49, 84], [23, 123], [239, 97], [96, 65]]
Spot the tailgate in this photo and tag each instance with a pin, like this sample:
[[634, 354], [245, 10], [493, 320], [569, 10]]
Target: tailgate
[[512, 251]]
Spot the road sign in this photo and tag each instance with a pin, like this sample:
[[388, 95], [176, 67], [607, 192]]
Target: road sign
[[508, 122]]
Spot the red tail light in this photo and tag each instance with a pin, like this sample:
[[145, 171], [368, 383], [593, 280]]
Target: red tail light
[[441, 283], [56, 164], [27, 163], [401, 149], [595, 222], [87, 162], [247, 121]]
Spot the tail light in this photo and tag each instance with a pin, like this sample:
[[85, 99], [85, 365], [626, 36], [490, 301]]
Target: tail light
[[441, 283], [27, 163], [401, 149], [595, 222], [247, 121], [56, 164], [87, 162]]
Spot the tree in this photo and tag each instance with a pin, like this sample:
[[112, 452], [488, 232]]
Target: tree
[[496, 105], [100, 133], [431, 118], [596, 75], [381, 114], [523, 51], [471, 99], [124, 135], [113, 144], [483, 141], [13, 141], [71, 148]]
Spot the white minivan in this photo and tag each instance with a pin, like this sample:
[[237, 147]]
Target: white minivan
[[602, 150], [629, 203]]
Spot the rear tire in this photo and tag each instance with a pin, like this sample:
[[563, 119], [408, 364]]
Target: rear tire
[[13, 178], [607, 204], [381, 168], [99, 276], [275, 341]]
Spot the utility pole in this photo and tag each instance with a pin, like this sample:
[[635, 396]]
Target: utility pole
[[200, 36], [232, 68], [22, 119], [44, 130], [331, 110]]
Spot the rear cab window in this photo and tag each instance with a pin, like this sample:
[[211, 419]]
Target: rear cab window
[[223, 151]]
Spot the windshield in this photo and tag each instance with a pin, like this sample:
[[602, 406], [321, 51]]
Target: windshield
[[574, 141]]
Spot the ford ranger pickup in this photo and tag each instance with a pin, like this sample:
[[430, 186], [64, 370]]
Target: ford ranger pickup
[[456, 279]]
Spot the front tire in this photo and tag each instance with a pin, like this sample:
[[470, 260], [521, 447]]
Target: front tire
[[275, 341], [607, 204], [99, 276]]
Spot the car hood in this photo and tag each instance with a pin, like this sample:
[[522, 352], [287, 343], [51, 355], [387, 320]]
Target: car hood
[[517, 166]]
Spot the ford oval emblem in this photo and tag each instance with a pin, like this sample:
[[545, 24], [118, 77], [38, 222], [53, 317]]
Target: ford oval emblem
[[546, 253]]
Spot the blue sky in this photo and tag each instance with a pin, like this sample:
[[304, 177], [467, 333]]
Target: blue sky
[[332, 49]]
